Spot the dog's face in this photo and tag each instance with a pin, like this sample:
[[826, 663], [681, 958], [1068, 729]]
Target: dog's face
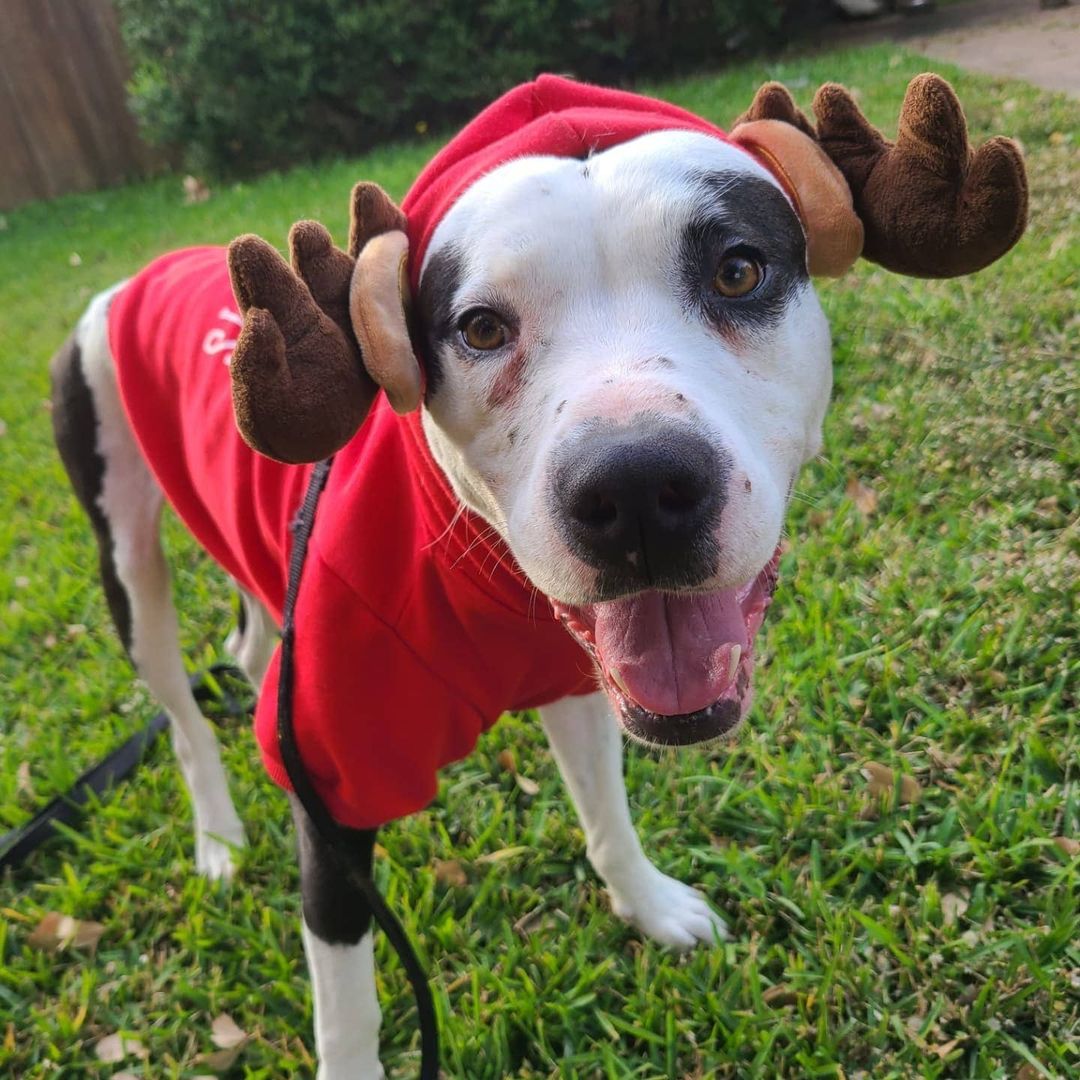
[[627, 366]]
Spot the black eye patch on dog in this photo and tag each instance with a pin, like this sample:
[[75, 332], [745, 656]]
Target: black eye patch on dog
[[746, 216], [435, 325]]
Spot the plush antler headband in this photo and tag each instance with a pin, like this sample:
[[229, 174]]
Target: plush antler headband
[[320, 339]]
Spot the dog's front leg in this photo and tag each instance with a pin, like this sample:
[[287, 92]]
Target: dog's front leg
[[338, 943], [587, 745]]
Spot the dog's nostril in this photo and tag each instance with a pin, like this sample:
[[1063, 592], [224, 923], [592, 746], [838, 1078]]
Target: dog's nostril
[[597, 510], [677, 497]]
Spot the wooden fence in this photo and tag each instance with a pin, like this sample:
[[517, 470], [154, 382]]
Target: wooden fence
[[64, 121]]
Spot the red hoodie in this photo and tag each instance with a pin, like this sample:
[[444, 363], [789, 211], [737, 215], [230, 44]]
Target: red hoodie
[[414, 631]]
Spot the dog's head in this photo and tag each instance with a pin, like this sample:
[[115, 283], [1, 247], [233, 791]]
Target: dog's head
[[624, 367]]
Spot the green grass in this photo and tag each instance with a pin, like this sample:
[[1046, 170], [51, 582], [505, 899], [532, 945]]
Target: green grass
[[936, 635]]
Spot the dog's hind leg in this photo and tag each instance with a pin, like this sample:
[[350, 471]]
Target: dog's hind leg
[[124, 504], [253, 640], [587, 745], [340, 953]]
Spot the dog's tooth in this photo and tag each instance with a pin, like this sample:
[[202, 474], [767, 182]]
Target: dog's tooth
[[733, 662]]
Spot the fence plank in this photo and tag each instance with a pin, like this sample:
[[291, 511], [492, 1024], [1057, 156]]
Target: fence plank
[[64, 121]]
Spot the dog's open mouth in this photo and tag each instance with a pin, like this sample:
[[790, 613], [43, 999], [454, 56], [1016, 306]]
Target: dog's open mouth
[[677, 666]]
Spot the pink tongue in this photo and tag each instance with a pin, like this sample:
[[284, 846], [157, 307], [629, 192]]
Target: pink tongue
[[672, 654]]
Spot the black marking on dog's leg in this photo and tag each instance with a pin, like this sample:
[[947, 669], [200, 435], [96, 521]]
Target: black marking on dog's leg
[[75, 429], [335, 911]]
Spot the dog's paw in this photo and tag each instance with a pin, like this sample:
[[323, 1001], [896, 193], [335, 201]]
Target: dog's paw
[[214, 851], [668, 911], [349, 1070]]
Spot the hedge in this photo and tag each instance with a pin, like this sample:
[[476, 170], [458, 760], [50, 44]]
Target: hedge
[[239, 86]]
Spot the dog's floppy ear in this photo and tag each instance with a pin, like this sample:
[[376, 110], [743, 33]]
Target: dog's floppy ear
[[834, 233], [300, 386], [930, 205]]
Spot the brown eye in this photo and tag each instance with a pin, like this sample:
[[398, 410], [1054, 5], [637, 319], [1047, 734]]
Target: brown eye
[[484, 331], [736, 276]]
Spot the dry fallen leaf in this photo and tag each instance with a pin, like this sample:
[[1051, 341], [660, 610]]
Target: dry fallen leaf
[[953, 905], [195, 191], [883, 782], [943, 1050], [506, 761], [776, 997], [220, 1060], [116, 1047], [225, 1033], [450, 872], [57, 931], [22, 780], [527, 784], [862, 495], [1067, 846], [502, 854]]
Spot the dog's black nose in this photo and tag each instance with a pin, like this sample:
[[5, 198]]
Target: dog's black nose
[[639, 502]]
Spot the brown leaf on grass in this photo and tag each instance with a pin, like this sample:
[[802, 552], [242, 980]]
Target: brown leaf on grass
[[220, 1060], [506, 761], [226, 1033], [195, 191], [503, 854], [1027, 1071], [527, 784], [22, 780], [57, 931], [776, 997], [450, 872], [882, 782], [953, 905], [943, 1050], [862, 495], [116, 1047], [1068, 847]]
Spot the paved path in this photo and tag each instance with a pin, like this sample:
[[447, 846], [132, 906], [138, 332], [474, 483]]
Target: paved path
[[1000, 37]]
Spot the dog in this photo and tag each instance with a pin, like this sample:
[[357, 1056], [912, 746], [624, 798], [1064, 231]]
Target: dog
[[624, 367]]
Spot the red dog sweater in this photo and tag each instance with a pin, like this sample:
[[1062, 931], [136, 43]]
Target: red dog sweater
[[414, 633]]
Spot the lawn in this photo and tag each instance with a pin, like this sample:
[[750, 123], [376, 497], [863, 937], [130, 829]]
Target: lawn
[[926, 623]]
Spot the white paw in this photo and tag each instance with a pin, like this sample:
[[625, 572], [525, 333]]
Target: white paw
[[668, 911], [214, 851], [349, 1070]]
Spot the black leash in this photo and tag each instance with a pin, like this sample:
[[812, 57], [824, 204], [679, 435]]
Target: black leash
[[313, 805], [66, 809]]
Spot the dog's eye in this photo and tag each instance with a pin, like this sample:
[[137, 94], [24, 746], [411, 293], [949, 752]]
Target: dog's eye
[[736, 275], [484, 331]]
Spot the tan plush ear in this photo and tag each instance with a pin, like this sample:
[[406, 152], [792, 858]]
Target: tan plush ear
[[378, 302], [834, 233]]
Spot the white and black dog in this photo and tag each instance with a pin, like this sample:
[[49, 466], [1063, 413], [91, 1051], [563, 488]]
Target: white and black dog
[[627, 365]]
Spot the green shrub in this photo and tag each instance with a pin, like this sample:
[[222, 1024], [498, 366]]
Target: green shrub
[[236, 86]]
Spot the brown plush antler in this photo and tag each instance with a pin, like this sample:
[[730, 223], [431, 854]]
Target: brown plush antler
[[930, 205], [300, 388]]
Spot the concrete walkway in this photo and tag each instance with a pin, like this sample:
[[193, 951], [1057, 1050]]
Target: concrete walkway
[[1000, 37]]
